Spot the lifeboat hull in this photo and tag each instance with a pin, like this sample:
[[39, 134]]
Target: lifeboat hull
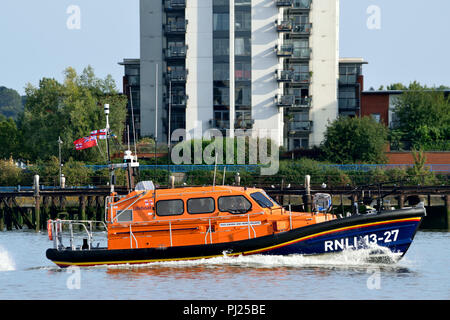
[[391, 230]]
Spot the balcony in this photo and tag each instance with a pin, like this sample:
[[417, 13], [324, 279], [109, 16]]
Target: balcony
[[175, 28], [301, 53], [301, 28], [284, 50], [178, 100], [244, 124], [292, 101], [284, 3], [170, 5], [292, 76], [176, 75], [293, 27], [299, 127], [176, 52], [220, 124], [284, 26], [294, 4]]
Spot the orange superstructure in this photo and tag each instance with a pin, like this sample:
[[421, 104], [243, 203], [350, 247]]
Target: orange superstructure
[[199, 215]]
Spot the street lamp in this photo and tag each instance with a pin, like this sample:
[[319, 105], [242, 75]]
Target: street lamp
[[60, 164]]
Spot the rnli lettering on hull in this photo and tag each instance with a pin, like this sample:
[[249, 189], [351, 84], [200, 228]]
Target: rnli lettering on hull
[[358, 242]]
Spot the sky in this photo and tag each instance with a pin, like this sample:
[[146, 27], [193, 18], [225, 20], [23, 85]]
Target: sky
[[403, 40]]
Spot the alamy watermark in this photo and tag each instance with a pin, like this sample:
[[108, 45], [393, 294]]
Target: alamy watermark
[[374, 280], [73, 282], [74, 20], [374, 19], [246, 147]]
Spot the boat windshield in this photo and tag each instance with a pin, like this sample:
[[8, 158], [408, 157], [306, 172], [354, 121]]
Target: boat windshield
[[262, 199]]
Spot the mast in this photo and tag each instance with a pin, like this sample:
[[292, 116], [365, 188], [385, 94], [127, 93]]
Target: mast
[[111, 169]]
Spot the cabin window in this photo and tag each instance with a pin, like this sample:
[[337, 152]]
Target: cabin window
[[124, 215], [200, 205], [262, 200], [170, 207], [234, 204]]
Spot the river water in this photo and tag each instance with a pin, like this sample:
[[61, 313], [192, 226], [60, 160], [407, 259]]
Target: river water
[[423, 273]]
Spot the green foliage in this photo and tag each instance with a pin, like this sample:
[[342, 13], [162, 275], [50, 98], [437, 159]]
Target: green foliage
[[10, 103], [419, 173], [10, 174], [9, 138], [70, 110], [245, 150], [423, 118], [355, 140]]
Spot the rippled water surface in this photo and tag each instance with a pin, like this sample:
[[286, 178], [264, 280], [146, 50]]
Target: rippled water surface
[[423, 273]]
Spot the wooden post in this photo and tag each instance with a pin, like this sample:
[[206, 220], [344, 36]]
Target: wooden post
[[447, 207], [45, 210], [2, 215], [37, 210], [82, 215], [401, 201], [90, 201]]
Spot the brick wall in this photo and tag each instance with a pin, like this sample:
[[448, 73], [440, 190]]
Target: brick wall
[[407, 158]]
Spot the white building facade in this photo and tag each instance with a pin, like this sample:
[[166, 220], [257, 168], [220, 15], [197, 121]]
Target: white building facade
[[259, 66]]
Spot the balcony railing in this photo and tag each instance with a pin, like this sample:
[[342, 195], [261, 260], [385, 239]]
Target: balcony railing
[[178, 27], [177, 75], [301, 53], [295, 4], [178, 100], [174, 52], [284, 26], [300, 126], [284, 3], [292, 27], [284, 50], [292, 76], [301, 28], [174, 4], [289, 50], [244, 124], [220, 124], [293, 101]]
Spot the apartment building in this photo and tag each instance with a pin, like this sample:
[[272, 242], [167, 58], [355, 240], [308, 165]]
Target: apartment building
[[256, 66]]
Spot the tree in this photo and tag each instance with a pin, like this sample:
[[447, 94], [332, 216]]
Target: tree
[[70, 110], [10, 102], [423, 118], [355, 140], [9, 138]]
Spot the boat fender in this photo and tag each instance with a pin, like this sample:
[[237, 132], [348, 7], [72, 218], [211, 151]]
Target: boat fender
[[49, 229]]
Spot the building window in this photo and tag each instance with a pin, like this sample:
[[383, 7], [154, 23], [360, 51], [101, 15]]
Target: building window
[[376, 117], [170, 207], [243, 71], [221, 71], [234, 204], [243, 21], [243, 95], [242, 46], [200, 205], [221, 96], [221, 47], [221, 21]]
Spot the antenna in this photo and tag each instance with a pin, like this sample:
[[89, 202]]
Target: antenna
[[111, 169], [224, 172], [132, 122], [215, 171]]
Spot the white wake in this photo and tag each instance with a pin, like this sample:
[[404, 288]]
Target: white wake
[[6, 261]]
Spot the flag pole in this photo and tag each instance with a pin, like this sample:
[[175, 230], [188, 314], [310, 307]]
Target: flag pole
[[111, 170]]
